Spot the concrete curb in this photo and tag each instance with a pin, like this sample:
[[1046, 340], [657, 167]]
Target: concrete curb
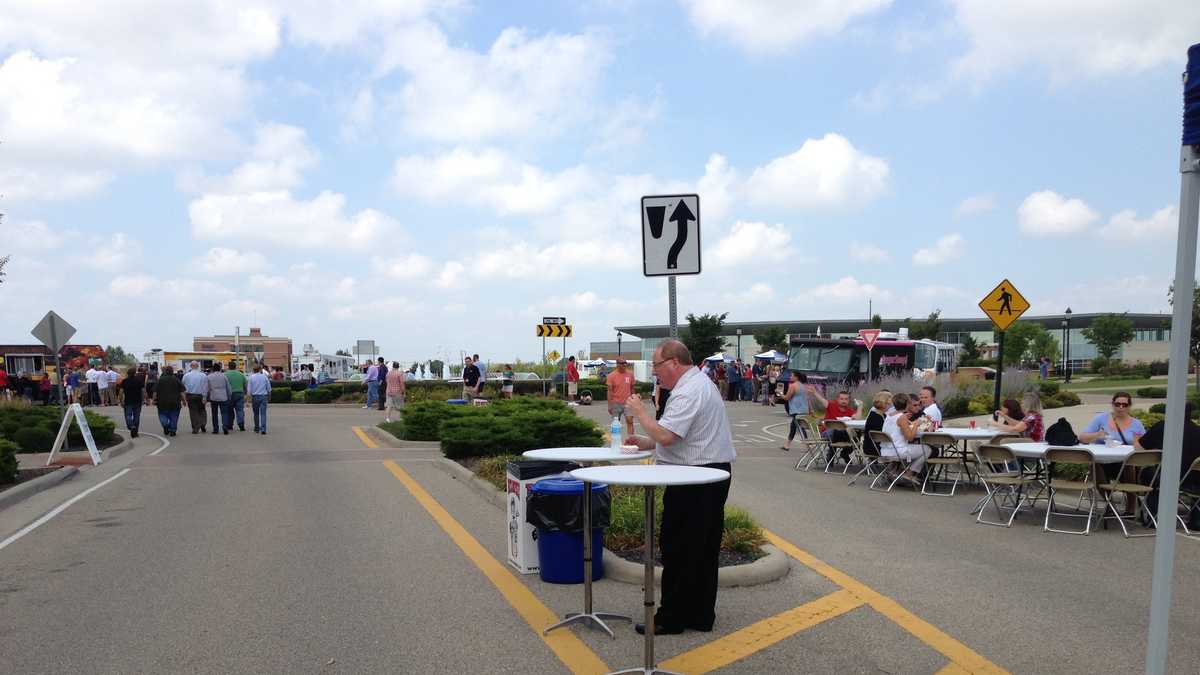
[[116, 450], [31, 487], [771, 567], [388, 440]]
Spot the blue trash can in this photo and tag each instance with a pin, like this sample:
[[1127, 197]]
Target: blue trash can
[[456, 401], [560, 551]]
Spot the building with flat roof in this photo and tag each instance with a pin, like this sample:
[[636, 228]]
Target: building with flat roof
[[1151, 341], [277, 351]]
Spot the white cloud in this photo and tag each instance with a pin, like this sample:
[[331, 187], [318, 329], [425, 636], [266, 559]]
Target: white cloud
[[276, 218], [948, 248], [773, 25], [131, 286], [1070, 38], [1049, 214], [220, 261], [404, 268], [1126, 227], [451, 277], [490, 177], [758, 293], [166, 291], [824, 173], [751, 242], [44, 183], [846, 289], [520, 86], [974, 205], [868, 253]]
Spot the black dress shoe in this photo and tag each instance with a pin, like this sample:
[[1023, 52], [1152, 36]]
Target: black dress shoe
[[194, 431], [658, 630]]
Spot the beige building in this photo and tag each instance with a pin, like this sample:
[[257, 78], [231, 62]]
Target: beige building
[[277, 351]]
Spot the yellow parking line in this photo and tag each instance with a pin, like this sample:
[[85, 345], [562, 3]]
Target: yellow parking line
[[362, 436], [959, 654], [952, 669], [755, 637], [574, 654]]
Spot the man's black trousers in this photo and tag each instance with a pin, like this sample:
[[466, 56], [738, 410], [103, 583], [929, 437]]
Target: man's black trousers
[[693, 520]]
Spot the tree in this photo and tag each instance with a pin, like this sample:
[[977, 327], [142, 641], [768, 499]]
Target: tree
[[1026, 341], [436, 368], [876, 321], [930, 328], [1194, 341], [1108, 333], [343, 352], [970, 347], [114, 354], [3, 262], [703, 335], [773, 337]]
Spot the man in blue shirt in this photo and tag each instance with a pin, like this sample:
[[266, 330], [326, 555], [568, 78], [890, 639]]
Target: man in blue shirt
[[195, 384], [260, 393], [733, 375]]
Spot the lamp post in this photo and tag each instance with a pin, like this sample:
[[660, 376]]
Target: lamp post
[[1067, 345], [739, 338], [618, 344]]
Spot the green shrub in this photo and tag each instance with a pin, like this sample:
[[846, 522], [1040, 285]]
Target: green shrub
[[1151, 392], [1148, 418], [281, 395], [335, 390], [483, 436], [8, 460], [33, 439], [741, 532], [103, 430], [1047, 388], [956, 406], [495, 470], [1067, 398], [422, 419], [1160, 408], [299, 396], [627, 519], [294, 385], [318, 395]]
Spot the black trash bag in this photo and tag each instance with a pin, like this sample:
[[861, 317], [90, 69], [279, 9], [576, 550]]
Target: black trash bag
[[1061, 434], [526, 469], [564, 512]]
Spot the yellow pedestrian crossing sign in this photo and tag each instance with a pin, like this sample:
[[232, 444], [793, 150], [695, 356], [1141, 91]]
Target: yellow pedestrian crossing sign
[[1004, 305], [553, 330]]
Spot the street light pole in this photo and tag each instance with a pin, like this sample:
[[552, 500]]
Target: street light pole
[[739, 348], [618, 344], [1067, 346]]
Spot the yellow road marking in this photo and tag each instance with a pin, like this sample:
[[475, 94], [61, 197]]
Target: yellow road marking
[[362, 436], [740, 644], [574, 654], [958, 653], [952, 669]]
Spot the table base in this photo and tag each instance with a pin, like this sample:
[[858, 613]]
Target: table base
[[593, 619], [645, 671]]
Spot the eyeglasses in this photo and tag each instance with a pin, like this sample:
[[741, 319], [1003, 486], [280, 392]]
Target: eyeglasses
[[659, 363], [1120, 404]]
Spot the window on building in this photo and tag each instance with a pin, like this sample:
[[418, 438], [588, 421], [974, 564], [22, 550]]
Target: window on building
[[16, 364], [208, 347]]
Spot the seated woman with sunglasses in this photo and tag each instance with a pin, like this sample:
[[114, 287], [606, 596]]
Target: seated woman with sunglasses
[[1117, 426]]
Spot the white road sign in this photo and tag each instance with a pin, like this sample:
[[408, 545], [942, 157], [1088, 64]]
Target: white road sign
[[53, 331], [670, 235]]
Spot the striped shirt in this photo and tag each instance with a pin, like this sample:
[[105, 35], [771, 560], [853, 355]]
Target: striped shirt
[[696, 414]]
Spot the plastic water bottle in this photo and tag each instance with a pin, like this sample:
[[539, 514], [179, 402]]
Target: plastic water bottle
[[615, 432]]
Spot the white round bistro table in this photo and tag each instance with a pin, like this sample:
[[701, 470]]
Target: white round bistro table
[[650, 477], [587, 456]]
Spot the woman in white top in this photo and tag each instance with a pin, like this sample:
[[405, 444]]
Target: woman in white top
[[903, 431]]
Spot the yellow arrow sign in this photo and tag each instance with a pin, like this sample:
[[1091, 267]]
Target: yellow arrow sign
[[553, 330], [1004, 305]]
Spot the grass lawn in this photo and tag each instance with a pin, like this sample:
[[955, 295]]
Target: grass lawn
[[1117, 385]]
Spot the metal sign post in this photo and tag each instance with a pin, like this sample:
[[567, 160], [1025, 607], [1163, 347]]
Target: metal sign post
[[666, 255], [1181, 332], [1004, 305]]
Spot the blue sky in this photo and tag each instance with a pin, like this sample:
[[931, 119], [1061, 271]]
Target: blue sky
[[439, 175]]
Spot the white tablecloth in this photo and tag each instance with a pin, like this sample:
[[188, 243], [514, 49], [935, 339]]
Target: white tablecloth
[[965, 433], [652, 474], [1102, 453], [586, 455]]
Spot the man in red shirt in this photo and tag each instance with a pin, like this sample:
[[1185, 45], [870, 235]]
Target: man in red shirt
[[5, 392], [572, 380], [620, 388]]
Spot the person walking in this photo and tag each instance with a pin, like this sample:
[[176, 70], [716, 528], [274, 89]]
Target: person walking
[[572, 380], [72, 386], [733, 375], [693, 431], [372, 385], [472, 381], [195, 384], [114, 391], [101, 385], [151, 382], [237, 395], [620, 388], [395, 383], [383, 373], [5, 392], [218, 400], [168, 396], [133, 386], [260, 393]]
